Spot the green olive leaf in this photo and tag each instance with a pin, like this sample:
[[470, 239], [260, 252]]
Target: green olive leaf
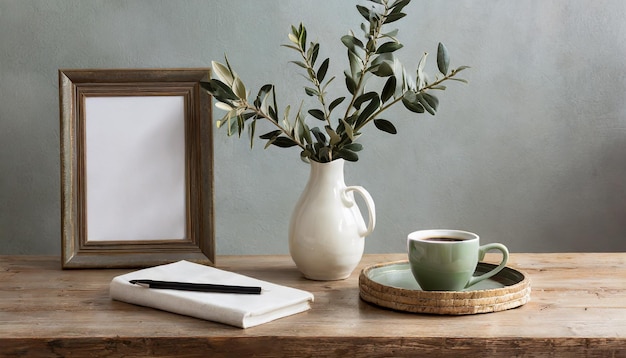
[[239, 89], [334, 137], [348, 155], [425, 103], [399, 5], [443, 59], [431, 100], [364, 98], [317, 113], [321, 72], [368, 110], [222, 72], [355, 147], [389, 89], [410, 102], [394, 17], [335, 103], [351, 42], [365, 12], [385, 126], [311, 91], [389, 47], [284, 142], [350, 83]]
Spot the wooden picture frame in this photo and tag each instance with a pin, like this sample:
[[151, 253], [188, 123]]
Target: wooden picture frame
[[136, 167]]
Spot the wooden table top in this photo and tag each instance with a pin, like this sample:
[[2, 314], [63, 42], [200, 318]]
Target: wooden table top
[[577, 308]]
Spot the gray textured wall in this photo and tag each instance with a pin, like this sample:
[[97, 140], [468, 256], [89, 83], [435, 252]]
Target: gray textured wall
[[531, 153]]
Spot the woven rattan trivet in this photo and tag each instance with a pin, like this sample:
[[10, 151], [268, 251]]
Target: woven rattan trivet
[[391, 285]]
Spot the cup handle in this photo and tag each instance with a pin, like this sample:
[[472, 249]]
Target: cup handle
[[481, 254], [371, 208]]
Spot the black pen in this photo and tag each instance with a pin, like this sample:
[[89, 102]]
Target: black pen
[[201, 287]]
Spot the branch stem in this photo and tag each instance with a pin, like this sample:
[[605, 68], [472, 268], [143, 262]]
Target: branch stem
[[262, 114], [396, 100]]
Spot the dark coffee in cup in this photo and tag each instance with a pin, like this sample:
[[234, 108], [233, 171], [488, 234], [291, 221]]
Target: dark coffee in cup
[[443, 239]]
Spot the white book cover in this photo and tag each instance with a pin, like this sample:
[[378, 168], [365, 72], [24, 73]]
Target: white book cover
[[239, 310]]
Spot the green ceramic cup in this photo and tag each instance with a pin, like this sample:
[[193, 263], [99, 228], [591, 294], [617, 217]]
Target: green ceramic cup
[[445, 260]]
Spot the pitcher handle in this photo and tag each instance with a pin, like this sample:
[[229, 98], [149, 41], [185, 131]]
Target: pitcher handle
[[369, 202]]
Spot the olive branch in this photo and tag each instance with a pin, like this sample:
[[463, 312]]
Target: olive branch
[[336, 136]]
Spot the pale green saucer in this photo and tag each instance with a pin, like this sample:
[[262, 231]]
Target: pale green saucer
[[399, 275]]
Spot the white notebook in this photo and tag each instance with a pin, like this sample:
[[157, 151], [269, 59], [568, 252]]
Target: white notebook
[[239, 310]]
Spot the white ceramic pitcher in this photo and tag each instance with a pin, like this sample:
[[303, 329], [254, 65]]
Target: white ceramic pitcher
[[327, 230]]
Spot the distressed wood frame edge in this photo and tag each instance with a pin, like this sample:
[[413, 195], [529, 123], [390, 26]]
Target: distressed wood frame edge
[[201, 247]]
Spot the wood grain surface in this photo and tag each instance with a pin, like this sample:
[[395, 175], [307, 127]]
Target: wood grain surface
[[577, 308]]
